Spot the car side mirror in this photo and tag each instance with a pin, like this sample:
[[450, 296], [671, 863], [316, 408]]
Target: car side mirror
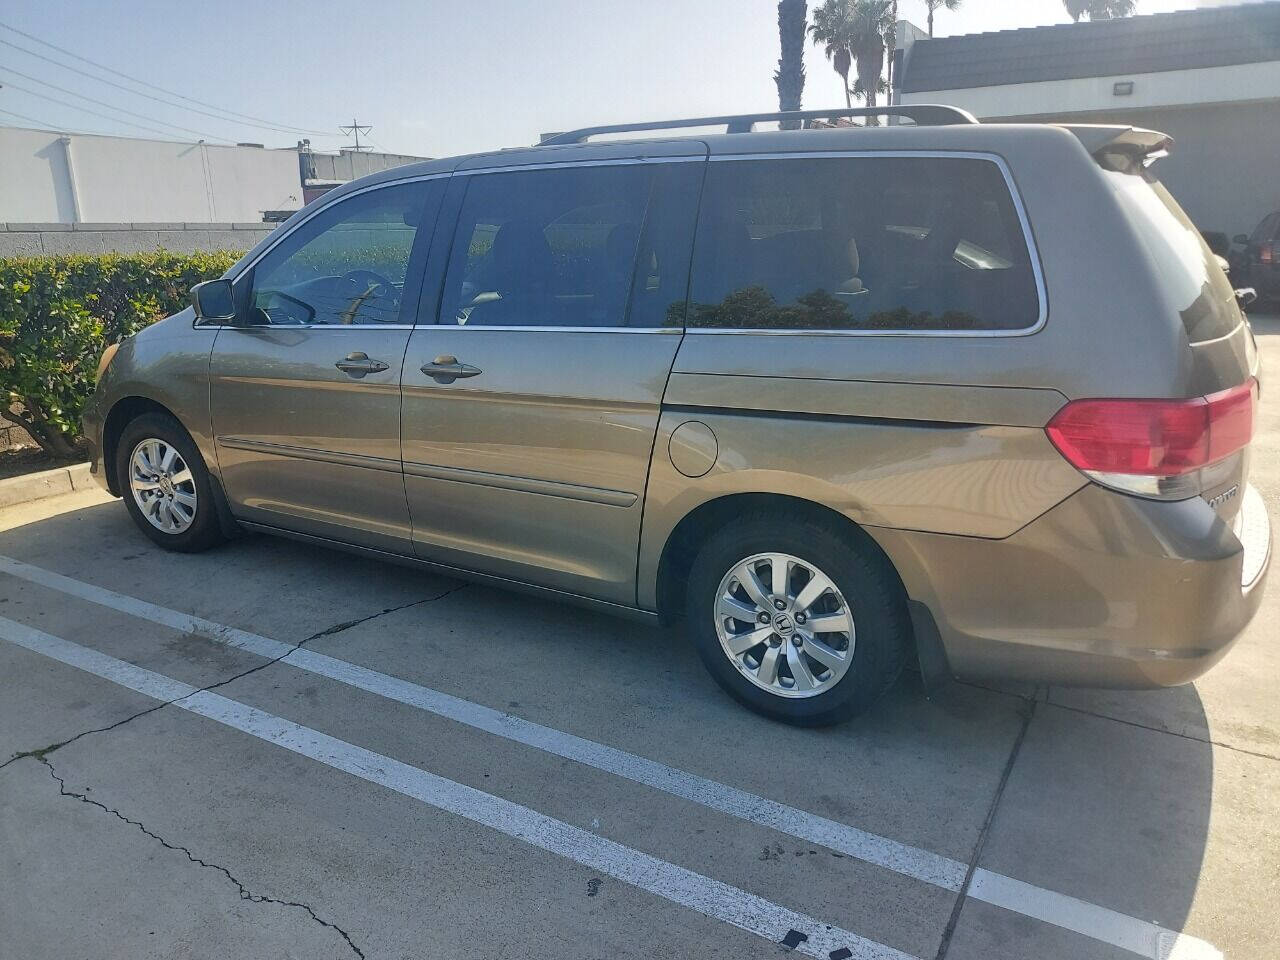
[[1240, 238], [214, 301], [1246, 297]]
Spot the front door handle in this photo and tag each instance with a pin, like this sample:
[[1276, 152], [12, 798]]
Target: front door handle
[[359, 365], [446, 369]]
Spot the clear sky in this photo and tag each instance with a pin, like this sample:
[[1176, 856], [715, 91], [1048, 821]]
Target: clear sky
[[432, 77]]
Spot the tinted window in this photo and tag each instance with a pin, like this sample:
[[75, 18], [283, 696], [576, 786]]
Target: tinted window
[[1187, 268], [1266, 229], [860, 243], [549, 248], [345, 265]]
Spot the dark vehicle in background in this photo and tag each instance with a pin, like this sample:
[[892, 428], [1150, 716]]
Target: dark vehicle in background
[[1258, 263]]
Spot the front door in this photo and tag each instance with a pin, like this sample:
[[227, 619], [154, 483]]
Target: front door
[[305, 395], [530, 408]]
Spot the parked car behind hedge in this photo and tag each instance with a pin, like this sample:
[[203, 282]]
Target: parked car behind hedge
[[58, 314]]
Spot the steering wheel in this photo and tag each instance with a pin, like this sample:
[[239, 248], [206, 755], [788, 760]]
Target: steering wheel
[[367, 278]]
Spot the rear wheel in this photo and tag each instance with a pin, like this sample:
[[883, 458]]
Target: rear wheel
[[797, 621], [165, 484]]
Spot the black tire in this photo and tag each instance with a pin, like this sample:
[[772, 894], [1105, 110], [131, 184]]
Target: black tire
[[858, 569], [204, 530]]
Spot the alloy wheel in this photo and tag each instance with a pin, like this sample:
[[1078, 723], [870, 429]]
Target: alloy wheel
[[162, 485], [784, 625]]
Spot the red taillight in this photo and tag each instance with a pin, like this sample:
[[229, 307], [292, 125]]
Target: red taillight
[[1154, 438], [1266, 252]]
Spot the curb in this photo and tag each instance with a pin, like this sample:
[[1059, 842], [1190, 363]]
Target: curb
[[48, 483]]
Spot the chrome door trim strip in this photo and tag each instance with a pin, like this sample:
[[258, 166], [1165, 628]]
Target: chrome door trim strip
[[478, 326], [311, 326], [1025, 222], [309, 453], [502, 481]]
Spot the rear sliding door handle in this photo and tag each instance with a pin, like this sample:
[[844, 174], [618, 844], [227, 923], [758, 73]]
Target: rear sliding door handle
[[358, 365], [446, 369]]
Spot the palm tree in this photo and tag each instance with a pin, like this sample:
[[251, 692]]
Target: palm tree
[[932, 5], [891, 43], [853, 34], [1098, 9], [832, 27], [790, 76], [872, 22]]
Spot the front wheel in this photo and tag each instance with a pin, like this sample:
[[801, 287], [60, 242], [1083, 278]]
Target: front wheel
[[799, 622], [165, 484]]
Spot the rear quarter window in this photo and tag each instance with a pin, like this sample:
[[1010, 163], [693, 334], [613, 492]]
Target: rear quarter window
[[1186, 268], [861, 243]]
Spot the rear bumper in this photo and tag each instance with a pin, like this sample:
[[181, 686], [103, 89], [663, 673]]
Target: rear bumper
[[1103, 590]]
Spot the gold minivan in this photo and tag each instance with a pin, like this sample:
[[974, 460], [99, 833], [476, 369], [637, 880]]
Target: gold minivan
[[973, 396]]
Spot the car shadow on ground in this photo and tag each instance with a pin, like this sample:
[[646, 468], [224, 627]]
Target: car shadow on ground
[[1104, 810]]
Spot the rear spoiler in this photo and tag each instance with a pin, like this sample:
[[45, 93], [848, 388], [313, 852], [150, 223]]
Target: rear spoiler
[[1123, 149]]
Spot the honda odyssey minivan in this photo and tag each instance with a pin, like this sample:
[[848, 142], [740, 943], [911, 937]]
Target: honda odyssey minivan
[[970, 396]]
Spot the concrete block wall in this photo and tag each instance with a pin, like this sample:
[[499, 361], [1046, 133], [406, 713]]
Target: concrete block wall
[[35, 239]]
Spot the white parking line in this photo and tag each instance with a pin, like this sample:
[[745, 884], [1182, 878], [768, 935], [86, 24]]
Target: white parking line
[[681, 886], [1100, 923]]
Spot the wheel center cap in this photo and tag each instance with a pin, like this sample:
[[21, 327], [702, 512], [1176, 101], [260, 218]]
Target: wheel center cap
[[783, 625], [166, 486]]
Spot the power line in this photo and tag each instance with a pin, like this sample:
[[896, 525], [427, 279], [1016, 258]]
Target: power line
[[92, 113], [109, 106], [282, 127], [139, 93], [40, 123]]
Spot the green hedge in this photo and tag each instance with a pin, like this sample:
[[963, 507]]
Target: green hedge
[[57, 315]]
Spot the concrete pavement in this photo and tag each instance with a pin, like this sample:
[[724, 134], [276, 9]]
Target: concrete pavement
[[390, 764]]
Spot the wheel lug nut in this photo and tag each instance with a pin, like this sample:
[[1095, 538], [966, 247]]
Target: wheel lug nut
[[764, 618], [779, 604], [797, 640], [800, 618]]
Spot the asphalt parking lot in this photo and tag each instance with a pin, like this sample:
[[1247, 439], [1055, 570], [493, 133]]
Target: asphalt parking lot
[[271, 750]]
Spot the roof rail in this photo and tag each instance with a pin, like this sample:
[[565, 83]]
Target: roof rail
[[924, 114]]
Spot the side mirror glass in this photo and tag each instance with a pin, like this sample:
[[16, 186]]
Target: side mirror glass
[[1240, 238], [213, 301]]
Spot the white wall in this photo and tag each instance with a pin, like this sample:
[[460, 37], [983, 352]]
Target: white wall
[[119, 180], [1233, 84], [1224, 163], [34, 186], [1226, 153]]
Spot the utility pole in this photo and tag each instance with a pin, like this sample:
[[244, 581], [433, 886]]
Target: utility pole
[[356, 129]]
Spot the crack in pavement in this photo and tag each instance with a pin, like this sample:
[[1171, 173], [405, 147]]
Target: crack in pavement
[[245, 893], [42, 752], [963, 894]]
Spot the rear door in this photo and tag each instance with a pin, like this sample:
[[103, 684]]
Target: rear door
[[531, 404], [305, 393]]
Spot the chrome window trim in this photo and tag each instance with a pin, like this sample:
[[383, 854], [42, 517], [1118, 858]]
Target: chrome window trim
[[1019, 207], [533, 326], [1027, 235], [311, 326]]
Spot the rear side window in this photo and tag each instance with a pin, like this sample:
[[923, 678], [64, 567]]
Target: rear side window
[[572, 247], [861, 243], [1266, 230], [1187, 268]]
